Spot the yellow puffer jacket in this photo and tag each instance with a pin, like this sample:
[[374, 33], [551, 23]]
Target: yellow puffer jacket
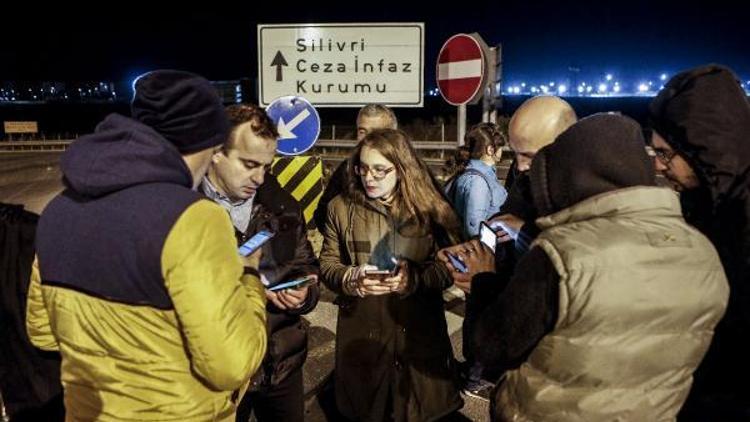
[[128, 362]]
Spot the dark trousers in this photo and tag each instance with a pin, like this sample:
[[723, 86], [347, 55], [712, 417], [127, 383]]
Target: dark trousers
[[472, 369], [281, 403]]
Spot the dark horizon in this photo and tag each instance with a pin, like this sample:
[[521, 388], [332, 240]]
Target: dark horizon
[[634, 40]]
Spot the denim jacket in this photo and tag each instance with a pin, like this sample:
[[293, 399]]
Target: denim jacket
[[478, 197]]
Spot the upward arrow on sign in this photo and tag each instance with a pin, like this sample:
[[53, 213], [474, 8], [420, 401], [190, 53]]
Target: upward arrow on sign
[[279, 61]]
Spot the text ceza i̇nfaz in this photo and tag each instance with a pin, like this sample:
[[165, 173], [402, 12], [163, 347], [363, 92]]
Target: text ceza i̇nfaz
[[305, 65]]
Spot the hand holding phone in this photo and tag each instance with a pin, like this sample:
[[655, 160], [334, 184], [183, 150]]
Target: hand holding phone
[[294, 284], [508, 223]]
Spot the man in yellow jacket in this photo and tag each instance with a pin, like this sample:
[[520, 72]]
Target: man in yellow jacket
[[138, 282]]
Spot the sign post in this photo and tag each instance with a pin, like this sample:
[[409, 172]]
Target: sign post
[[462, 74]]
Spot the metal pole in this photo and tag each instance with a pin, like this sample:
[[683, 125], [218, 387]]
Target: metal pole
[[461, 124], [488, 100], [497, 87], [333, 132]]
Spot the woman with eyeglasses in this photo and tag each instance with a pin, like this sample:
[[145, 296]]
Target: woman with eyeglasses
[[394, 359]]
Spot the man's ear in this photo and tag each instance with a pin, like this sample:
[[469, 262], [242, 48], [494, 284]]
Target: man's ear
[[216, 156]]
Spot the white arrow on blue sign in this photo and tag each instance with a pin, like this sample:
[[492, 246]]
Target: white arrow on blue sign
[[298, 123]]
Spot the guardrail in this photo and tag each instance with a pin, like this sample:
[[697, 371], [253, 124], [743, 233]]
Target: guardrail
[[34, 146], [321, 143]]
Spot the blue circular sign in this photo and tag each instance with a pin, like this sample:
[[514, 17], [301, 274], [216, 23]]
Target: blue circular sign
[[298, 124]]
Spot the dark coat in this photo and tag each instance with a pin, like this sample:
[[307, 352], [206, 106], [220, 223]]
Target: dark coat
[[704, 114], [29, 377], [287, 256], [391, 345]]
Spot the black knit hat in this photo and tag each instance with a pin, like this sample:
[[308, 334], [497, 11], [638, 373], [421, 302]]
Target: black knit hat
[[600, 153], [181, 106]]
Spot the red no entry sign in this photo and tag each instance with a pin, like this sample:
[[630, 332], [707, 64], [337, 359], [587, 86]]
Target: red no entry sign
[[460, 69]]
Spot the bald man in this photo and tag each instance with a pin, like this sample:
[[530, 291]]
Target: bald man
[[533, 126], [536, 124]]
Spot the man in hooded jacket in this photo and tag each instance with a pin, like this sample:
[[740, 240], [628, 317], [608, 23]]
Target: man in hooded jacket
[[139, 284], [701, 135]]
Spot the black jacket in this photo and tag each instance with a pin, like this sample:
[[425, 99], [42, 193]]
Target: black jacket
[[29, 377], [288, 255], [704, 114]]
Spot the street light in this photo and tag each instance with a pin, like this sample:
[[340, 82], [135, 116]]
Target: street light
[[602, 88], [609, 76]]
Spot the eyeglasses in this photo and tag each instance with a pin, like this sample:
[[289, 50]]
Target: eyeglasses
[[378, 173], [661, 154]]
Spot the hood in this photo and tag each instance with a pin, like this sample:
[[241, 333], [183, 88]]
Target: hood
[[601, 153], [704, 114], [121, 153]]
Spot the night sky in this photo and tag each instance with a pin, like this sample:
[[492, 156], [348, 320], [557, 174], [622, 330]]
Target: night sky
[[121, 40]]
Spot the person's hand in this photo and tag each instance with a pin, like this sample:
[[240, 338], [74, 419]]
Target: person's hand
[[506, 226], [288, 298], [400, 281], [360, 284], [477, 258], [455, 250]]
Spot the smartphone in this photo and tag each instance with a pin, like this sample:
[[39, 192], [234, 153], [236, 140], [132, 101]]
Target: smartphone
[[487, 236], [457, 263], [255, 242], [294, 284], [378, 274]]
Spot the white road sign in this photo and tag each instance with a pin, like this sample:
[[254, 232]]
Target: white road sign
[[342, 65]]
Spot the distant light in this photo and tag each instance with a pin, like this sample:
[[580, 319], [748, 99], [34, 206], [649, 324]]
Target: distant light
[[616, 88], [609, 77], [642, 87], [580, 89], [589, 88], [534, 89], [663, 77], [650, 83], [602, 88], [544, 89], [551, 84], [510, 90], [516, 90], [523, 84], [562, 89], [583, 83]]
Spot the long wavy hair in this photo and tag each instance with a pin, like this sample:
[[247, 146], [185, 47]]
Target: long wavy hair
[[415, 197]]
